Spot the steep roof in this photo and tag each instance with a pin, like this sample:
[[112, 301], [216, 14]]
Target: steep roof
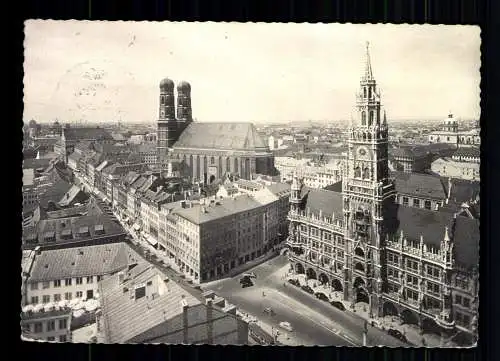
[[463, 231], [402, 152], [326, 201], [126, 317], [71, 195], [467, 152], [227, 136], [79, 262], [280, 189], [419, 185]]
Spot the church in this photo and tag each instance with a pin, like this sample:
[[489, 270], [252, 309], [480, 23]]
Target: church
[[207, 152], [418, 263]]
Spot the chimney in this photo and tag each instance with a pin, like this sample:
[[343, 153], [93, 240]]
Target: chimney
[[449, 190], [210, 323], [121, 277], [185, 326]]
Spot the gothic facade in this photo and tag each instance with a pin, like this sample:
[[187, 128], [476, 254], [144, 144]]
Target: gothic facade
[[417, 263]]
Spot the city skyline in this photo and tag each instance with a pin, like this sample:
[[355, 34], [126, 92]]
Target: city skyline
[[73, 72]]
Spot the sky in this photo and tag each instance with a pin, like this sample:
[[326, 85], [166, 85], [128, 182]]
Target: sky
[[102, 71]]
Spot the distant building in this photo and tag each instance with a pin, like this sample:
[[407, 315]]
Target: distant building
[[451, 135], [71, 136], [143, 306], [52, 324], [464, 164]]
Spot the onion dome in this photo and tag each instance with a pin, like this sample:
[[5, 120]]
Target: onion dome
[[167, 84], [184, 86]]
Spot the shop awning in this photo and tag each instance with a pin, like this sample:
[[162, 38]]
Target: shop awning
[[151, 241]]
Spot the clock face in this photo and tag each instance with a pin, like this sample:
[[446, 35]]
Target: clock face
[[362, 151]]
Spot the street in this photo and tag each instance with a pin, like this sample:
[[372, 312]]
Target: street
[[315, 322]]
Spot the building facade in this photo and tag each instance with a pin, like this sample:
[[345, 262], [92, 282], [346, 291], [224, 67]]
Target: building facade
[[47, 325], [417, 263]]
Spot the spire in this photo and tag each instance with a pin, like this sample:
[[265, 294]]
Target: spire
[[385, 118], [368, 65], [446, 236]]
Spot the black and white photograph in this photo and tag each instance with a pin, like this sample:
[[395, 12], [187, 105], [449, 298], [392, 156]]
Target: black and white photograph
[[276, 184]]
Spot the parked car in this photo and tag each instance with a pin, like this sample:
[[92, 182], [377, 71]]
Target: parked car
[[251, 275], [286, 326], [338, 305], [245, 279], [308, 289], [321, 296], [397, 334], [246, 283], [269, 311], [294, 282]]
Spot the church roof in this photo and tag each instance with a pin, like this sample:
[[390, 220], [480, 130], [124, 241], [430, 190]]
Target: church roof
[[230, 136]]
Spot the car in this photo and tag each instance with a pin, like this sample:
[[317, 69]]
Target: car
[[308, 289], [294, 282], [286, 326], [269, 311], [251, 275], [245, 279], [246, 284], [338, 304], [321, 296], [397, 334]]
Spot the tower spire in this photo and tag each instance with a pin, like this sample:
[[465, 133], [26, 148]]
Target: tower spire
[[368, 64]]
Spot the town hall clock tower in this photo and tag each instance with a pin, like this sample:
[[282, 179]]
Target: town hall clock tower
[[368, 196]]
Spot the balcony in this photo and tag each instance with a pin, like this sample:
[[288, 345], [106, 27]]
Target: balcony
[[315, 221]]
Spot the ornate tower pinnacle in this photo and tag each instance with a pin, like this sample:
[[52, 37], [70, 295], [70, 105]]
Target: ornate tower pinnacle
[[368, 65]]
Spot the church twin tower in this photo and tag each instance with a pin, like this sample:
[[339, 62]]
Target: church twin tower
[[171, 126]]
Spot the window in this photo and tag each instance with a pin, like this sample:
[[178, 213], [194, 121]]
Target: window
[[412, 265], [433, 288], [99, 278], [412, 295], [46, 299], [51, 325], [315, 244], [405, 201], [79, 294], [427, 205], [416, 203], [412, 280], [67, 296], [63, 324], [392, 273], [34, 300], [51, 338], [340, 254], [392, 288], [57, 283], [433, 272], [432, 303], [392, 258], [461, 319], [466, 302], [57, 297], [38, 327], [34, 285], [62, 338], [462, 282], [79, 280]]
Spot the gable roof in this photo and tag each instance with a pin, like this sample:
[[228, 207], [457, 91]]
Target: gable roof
[[227, 136], [326, 201], [79, 262]]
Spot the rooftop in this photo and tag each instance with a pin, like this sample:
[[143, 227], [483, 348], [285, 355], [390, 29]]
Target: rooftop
[[63, 263], [418, 184], [126, 317], [199, 214], [229, 136], [86, 133], [50, 231]]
